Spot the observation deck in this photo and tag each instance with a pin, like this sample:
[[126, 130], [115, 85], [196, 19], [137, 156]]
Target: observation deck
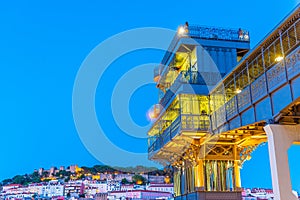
[[216, 99]]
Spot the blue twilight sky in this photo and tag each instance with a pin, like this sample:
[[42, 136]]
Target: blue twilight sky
[[43, 44]]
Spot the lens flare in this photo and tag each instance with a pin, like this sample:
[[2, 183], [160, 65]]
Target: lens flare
[[153, 112]]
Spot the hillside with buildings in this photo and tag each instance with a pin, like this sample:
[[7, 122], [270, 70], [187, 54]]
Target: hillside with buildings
[[138, 174], [99, 181]]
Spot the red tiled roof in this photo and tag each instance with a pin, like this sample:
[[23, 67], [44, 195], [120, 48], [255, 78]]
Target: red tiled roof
[[12, 185]]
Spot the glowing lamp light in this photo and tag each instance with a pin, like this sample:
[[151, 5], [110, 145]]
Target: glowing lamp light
[[279, 58], [238, 91], [181, 30], [248, 157]]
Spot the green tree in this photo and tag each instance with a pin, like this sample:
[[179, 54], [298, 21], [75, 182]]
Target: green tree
[[45, 174], [103, 168], [35, 177], [86, 170], [138, 179], [67, 179], [82, 176], [19, 179], [124, 181], [7, 181]]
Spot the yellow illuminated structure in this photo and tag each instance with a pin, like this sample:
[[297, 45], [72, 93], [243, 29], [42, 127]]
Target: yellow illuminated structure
[[216, 98], [96, 177], [78, 169]]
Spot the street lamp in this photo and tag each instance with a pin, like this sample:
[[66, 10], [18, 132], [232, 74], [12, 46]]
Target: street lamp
[[181, 30]]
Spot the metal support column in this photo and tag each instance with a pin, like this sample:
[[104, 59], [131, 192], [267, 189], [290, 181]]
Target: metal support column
[[280, 138]]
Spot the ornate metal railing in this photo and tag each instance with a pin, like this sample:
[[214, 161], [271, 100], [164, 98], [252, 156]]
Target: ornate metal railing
[[267, 69], [185, 122], [269, 82], [218, 33]]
